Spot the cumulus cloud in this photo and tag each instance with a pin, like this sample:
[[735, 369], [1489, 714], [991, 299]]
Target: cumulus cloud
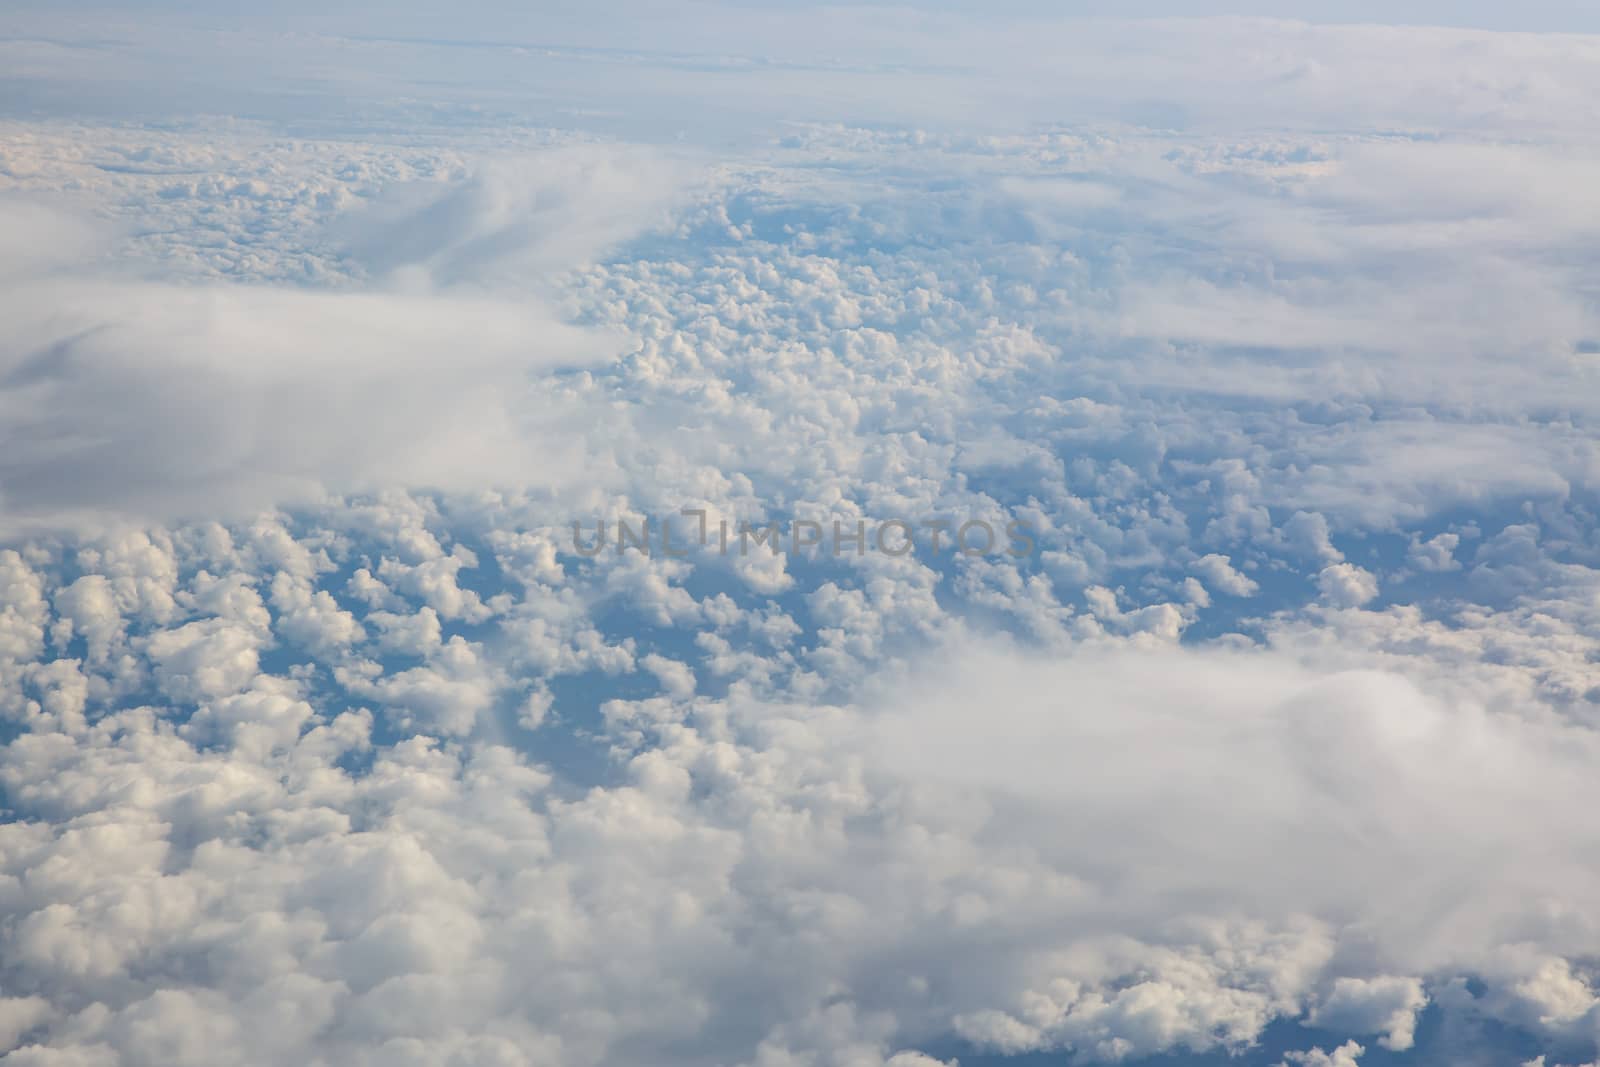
[[1345, 585], [397, 777], [1130, 849], [149, 402], [1219, 574], [1346, 1055], [515, 220], [127, 400], [1385, 1005], [1261, 780]]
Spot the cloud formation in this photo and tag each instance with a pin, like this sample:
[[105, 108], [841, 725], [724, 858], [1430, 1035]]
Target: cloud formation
[[321, 743], [136, 400]]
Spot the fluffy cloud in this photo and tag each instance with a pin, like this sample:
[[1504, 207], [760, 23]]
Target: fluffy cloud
[[1260, 778], [1287, 717], [1347, 586], [1384, 1005], [137, 401], [1083, 833], [515, 221], [1343, 1056], [1220, 574]]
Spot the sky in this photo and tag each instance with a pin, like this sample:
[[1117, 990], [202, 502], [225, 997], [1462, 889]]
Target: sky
[[799, 535]]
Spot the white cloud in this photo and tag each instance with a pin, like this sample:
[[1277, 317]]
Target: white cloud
[[1345, 585], [517, 220], [1262, 781], [276, 785], [1219, 573], [1385, 1005], [1343, 1056], [129, 400], [148, 402]]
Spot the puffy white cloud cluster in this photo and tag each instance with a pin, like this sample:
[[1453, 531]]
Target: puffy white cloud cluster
[[1131, 850], [149, 400], [1343, 1056], [324, 745]]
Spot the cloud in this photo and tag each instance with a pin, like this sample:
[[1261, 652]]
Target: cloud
[[515, 220], [1345, 1055], [1130, 849], [724, 70], [404, 781], [1264, 783], [1384, 1005], [1218, 572], [149, 402], [138, 401], [1347, 586]]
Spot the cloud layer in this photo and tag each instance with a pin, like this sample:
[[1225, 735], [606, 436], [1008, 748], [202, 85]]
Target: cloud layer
[[323, 744], [126, 399]]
